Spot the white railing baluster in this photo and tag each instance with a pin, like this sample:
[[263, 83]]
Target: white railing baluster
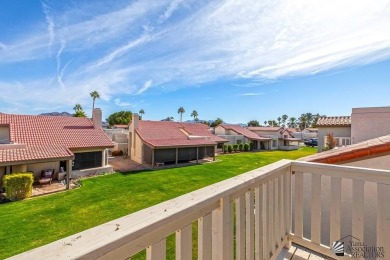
[[240, 228], [288, 203], [222, 237], [271, 219], [249, 225], [383, 219], [316, 208], [358, 209], [204, 237], [298, 204], [335, 209], [276, 214], [259, 223], [184, 243], [156, 251], [282, 206]]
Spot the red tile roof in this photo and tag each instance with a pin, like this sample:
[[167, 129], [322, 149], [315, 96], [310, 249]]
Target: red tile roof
[[19, 153], [174, 134], [71, 132], [264, 128], [334, 121], [245, 132], [373, 147], [202, 130]]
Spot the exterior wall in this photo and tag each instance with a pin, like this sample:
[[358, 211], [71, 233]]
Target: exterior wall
[[36, 168], [371, 122], [136, 152], [19, 168], [219, 130], [305, 135], [382, 163], [4, 134], [92, 171], [337, 132], [2, 173], [234, 138]]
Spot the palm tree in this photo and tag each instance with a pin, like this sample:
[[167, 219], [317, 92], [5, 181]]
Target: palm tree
[[141, 112], [265, 123], [279, 120], [94, 95], [195, 115], [284, 119], [302, 121], [77, 107], [292, 122], [309, 119], [181, 111]]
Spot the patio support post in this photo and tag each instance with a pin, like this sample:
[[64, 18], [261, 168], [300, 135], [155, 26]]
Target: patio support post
[[214, 154], [153, 158], [177, 156], [197, 155], [68, 171]]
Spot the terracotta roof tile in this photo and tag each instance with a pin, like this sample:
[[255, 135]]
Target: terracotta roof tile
[[27, 153], [71, 132], [171, 134], [245, 132], [334, 121], [372, 147]]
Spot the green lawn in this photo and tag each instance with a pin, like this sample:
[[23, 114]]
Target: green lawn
[[31, 223]]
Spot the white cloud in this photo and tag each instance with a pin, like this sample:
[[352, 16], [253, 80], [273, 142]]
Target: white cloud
[[145, 87], [50, 22], [119, 103]]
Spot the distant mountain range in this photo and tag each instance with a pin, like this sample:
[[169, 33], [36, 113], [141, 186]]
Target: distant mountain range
[[56, 114]]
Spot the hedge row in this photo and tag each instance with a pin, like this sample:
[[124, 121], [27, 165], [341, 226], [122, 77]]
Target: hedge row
[[18, 186], [228, 148]]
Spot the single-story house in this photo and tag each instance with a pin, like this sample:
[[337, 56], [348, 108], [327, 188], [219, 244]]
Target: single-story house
[[280, 138], [170, 143], [237, 134], [339, 126], [76, 145], [305, 134]]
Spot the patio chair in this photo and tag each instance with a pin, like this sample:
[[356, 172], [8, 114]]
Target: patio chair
[[46, 176]]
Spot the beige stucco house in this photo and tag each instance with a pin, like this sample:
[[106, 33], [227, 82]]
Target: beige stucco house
[[75, 145], [155, 143], [237, 134], [280, 138]]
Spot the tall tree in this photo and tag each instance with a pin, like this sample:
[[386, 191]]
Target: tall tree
[[265, 123], [292, 122], [119, 118], [253, 123], [195, 115], [279, 120], [181, 111], [284, 119], [79, 112], [217, 122], [94, 96], [141, 112], [302, 121], [309, 119], [169, 118]]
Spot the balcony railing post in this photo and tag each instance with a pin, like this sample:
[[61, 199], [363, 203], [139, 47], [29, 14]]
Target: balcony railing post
[[222, 238], [288, 206]]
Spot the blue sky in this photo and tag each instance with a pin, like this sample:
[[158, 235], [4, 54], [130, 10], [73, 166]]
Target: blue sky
[[237, 60]]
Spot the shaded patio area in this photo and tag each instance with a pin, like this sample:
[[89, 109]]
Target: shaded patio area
[[55, 186]]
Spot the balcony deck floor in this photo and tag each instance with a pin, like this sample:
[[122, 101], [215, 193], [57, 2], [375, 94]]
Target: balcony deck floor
[[297, 252]]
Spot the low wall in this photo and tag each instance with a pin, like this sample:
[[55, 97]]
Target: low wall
[[92, 171]]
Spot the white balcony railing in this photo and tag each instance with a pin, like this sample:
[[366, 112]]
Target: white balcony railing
[[251, 216]]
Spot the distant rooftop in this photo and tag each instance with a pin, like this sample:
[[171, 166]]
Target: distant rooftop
[[334, 121]]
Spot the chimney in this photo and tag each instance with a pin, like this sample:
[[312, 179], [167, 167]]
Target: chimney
[[135, 120], [97, 118]]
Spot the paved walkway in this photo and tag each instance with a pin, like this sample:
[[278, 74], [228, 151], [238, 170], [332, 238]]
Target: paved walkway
[[119, 164]]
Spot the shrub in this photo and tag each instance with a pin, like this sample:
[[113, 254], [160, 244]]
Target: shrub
[[230, 148], [225, 148], [18, 186], [246, 147], [251, 146], [117, 153], [241, 147], [235, 147]]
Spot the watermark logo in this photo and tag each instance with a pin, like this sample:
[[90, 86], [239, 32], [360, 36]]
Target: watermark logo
[[355, 248], [338, 248]]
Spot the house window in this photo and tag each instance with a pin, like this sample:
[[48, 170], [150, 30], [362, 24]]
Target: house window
[[87, 160], [273, 143], [239, 141]]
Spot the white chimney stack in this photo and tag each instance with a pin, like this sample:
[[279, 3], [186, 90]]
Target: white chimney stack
[[135, 119], [97, 118]]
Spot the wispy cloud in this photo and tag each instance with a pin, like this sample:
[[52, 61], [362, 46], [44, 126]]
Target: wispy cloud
[[145, 87], [251, 94], [124, 50], [120, 103]]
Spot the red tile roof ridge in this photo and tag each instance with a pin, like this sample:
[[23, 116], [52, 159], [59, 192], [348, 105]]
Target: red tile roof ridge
[[372, 147]]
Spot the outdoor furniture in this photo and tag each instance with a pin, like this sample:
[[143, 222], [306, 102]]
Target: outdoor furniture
[[46, 176]]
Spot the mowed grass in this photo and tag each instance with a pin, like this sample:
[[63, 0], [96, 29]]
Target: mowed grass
[[34, 222]]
